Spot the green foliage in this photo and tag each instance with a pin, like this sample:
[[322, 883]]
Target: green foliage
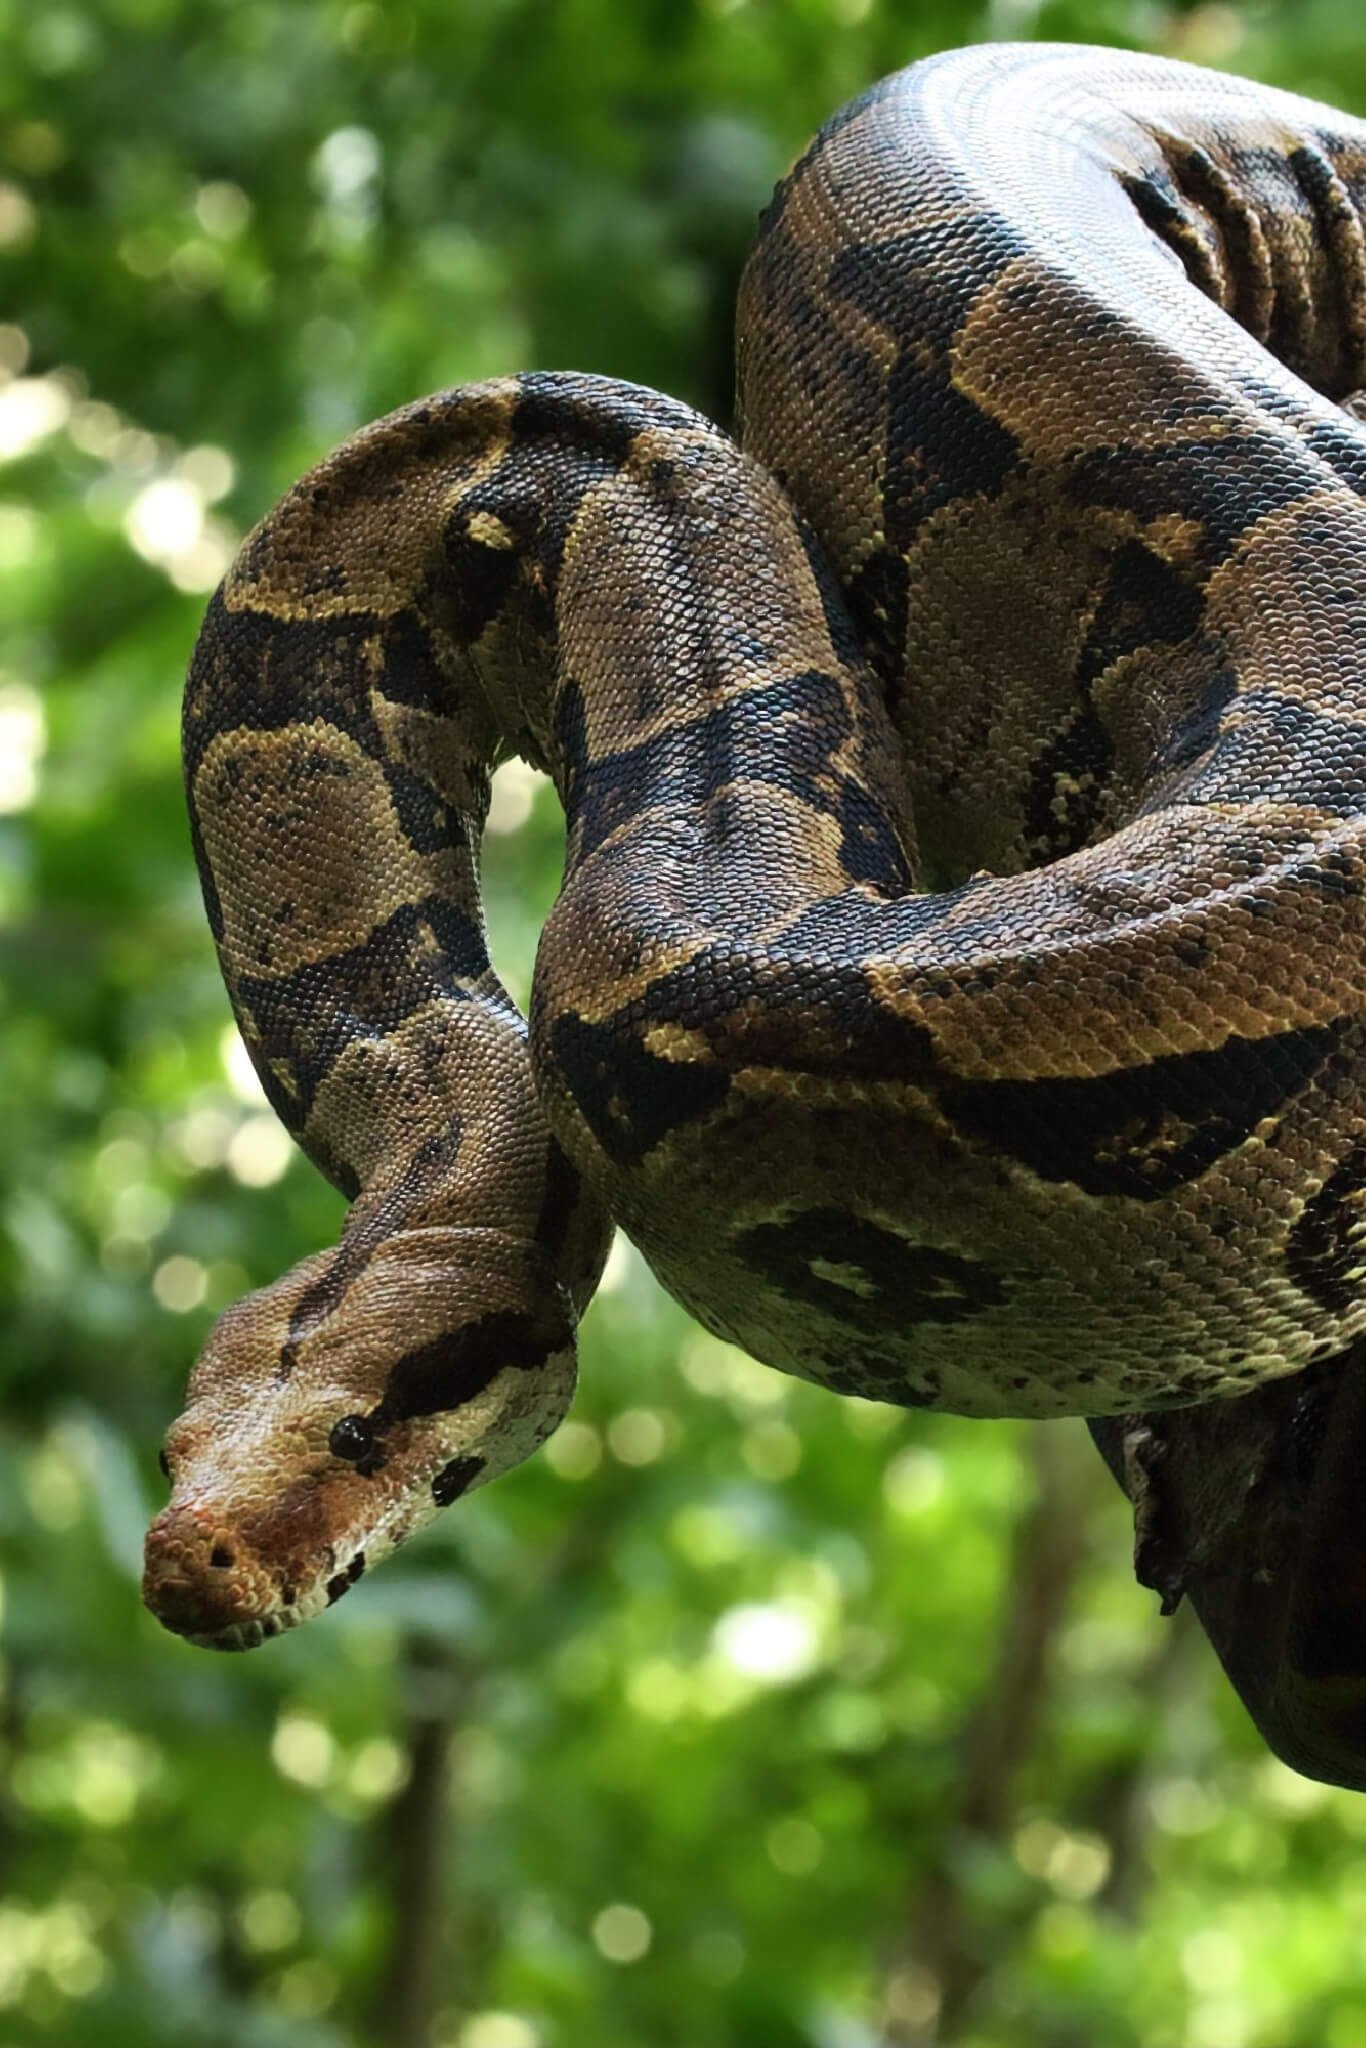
[[696, 1714]]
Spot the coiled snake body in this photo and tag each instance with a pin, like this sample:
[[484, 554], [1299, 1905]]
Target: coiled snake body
[[957, 987]]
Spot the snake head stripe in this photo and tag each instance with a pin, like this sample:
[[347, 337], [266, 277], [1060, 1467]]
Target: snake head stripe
[[326, 1422]]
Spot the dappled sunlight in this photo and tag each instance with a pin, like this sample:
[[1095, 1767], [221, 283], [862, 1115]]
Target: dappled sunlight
[[168, 522], [31, 409], [23, 742], [514, 791], [773, 1644]]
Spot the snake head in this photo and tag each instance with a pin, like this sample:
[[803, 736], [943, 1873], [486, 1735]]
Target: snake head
[[335, 1412]]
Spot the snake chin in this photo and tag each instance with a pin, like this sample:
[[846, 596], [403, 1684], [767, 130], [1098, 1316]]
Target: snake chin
[[246, 1635]]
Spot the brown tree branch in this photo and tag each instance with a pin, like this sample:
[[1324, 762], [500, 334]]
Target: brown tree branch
[[1253, 1508]]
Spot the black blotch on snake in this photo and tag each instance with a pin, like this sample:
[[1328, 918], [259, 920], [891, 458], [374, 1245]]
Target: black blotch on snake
[[865, 1276], [1142, 1131], [454, 1479], [453, 1368], [1326, 1255]]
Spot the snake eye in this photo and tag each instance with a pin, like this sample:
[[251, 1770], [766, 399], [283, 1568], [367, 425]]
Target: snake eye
[[353, 1438], [165, 1464]]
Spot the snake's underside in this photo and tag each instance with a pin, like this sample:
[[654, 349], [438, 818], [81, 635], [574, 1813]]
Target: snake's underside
[[957, 986]]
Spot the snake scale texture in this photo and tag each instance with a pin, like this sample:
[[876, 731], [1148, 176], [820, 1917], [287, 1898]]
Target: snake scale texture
[[957, 986]]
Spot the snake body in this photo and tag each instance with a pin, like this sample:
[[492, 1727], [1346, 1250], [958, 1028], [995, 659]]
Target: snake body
[[957, 986]]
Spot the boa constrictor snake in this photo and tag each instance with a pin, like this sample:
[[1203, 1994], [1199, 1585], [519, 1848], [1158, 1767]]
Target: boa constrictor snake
[[957, 985]]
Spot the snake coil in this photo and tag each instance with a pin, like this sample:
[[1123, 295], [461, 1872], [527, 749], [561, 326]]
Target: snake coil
[[957, 986]]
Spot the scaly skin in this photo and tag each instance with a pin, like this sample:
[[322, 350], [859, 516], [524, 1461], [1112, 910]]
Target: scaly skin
[[1075, 618]]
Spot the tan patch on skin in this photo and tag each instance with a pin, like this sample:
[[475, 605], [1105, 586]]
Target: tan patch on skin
[[288, 811], [1005, 598], [677, 1042], [442, 749], [408, 1081], [1028, 356], [334, 546], [1303, 567], [491, 532], [1177, 539]]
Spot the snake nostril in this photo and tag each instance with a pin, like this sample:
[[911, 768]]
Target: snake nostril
[[221, 1557]]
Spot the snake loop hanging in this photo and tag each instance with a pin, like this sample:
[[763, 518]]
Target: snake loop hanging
[[957, 986]]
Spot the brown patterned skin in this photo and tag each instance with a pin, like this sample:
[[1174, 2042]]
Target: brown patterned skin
[[1073, 632]]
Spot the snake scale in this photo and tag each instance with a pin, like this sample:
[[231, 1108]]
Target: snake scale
[[957, 986]]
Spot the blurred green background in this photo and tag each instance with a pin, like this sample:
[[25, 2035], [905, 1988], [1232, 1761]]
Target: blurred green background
[[744, 1714]]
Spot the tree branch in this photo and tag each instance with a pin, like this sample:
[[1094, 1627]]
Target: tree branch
[[1253, 1508]]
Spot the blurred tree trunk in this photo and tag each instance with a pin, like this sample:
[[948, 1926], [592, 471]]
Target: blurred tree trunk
[[417, 1839], [941, 1962], [1118, 1805]]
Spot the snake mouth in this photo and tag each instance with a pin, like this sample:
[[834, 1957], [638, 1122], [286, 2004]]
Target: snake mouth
[[238, 1635], [187, 1610], [213, 1615]]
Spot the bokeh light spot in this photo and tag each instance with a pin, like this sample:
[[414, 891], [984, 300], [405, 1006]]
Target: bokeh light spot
[[180, 1284], [622, 1934], [771, 1643]]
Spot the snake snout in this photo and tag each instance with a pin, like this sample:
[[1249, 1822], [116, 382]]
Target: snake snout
[[200, 1580]]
